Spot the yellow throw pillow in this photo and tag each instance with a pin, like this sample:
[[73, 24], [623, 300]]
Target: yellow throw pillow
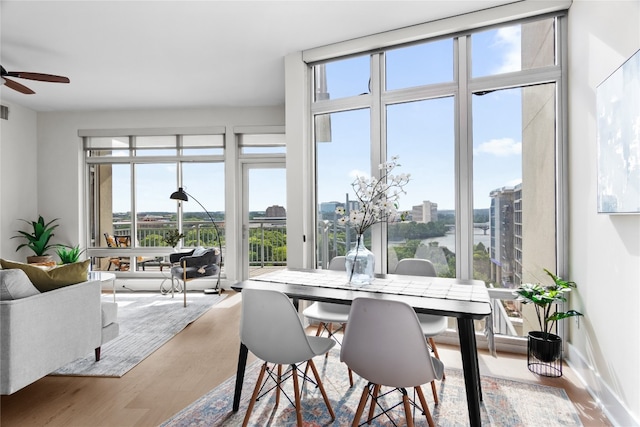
[[48, 280]]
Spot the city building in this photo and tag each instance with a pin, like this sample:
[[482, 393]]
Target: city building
[[276, 211], [424, 213], [502, 237]]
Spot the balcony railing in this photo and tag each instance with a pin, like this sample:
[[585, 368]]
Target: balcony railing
[[267, 237], [152, 234], [267, 242]]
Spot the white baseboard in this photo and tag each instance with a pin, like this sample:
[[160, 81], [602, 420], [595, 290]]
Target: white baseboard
[[613, 408], [153, 285]]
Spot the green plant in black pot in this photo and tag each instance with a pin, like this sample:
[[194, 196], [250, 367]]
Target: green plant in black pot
[[68, 254], [38, 240], [544, 298]]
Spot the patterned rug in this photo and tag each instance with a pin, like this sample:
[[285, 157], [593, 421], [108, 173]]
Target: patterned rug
[[506, 403], [147, 321]]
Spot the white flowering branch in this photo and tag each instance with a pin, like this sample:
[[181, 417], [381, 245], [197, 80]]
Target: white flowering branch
[[378, 198]]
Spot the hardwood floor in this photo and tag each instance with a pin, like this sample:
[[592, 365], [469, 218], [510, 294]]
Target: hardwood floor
[[191, 364]]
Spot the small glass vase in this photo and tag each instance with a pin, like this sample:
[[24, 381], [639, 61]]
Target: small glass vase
[[360, 263]]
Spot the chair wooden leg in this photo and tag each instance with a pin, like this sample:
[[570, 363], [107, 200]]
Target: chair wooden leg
[[435, 352], [434, 390], [330, 330], [296, 392], [279, 384], [321, 387], [256, 389], [407, 409], [350, 378], [319, 330], [361, 405], [425, 408], [374, 401]]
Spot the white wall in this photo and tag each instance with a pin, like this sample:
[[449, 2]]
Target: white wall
[[300, 197], [60, 177], [18, 178], [604, 250]]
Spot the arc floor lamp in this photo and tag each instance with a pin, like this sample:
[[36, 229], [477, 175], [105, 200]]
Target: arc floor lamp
[[183, 196]]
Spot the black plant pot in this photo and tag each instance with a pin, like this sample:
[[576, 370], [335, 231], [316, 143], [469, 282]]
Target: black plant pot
[[545, 347]]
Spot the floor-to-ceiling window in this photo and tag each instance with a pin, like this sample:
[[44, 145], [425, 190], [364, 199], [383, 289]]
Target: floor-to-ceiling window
[[475, 119], [339, 160], [129, 181], [262, 174]]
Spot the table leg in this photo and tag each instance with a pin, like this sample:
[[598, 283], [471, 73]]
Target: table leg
[[242, 364], [471, 370]]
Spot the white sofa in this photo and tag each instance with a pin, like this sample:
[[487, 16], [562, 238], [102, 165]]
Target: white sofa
[[45, 331]]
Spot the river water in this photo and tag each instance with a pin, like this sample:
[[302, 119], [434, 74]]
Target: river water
[[449, 239]]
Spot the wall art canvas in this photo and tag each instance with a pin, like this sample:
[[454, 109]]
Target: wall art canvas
[[618, 121]]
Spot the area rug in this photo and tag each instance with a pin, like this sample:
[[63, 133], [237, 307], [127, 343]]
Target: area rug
[[505, 403], [147, 321]]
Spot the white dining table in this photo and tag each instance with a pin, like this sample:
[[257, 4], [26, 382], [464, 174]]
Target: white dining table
[[466, 300]]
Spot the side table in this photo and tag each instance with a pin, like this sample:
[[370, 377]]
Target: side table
[[104, 277]]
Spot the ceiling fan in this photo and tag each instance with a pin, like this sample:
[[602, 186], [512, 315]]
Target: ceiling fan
[[25, 75]]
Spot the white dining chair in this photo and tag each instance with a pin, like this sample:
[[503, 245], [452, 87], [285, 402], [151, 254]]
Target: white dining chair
[[432, 325], [271, 329], [384, 344], [329, 314]]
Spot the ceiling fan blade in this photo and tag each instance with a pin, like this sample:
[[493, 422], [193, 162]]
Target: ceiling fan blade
[[38, 76], [17, 86]]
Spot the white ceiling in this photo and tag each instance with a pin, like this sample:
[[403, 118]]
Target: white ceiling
[[175, 54]]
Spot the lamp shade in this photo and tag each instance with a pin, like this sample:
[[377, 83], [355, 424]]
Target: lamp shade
[[179, 195]]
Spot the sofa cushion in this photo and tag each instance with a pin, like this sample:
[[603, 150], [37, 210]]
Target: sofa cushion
[[109, 313], [199, 251], [15, 284], [47, 280]]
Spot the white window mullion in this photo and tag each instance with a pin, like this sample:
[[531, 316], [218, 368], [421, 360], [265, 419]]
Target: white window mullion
[[464, 164], [378, 153], [134, 208], [341, 104]]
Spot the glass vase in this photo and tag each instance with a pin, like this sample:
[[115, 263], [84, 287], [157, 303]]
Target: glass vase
[[360, 263]]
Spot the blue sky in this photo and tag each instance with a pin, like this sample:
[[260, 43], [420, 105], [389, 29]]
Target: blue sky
[[421, 133]]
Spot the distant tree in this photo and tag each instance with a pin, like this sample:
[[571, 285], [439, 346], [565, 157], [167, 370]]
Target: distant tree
[[481, 215], [451, 263], [407, 249], [481, 263], [152, 240]]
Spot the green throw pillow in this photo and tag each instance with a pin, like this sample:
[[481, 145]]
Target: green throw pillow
[[57, 277]]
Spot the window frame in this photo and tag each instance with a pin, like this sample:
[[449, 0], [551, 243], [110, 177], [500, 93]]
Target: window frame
[[462, 89], [94, 250]]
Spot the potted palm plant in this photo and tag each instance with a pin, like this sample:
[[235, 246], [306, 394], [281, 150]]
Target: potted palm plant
[[172, 237], [38, 240], [68, 254], [544, 345]]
